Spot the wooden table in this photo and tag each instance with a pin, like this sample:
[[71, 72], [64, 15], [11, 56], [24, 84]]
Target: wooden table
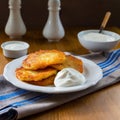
[[101, 105]]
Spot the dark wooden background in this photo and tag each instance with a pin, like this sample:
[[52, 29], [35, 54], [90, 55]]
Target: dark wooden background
[[74, 13]]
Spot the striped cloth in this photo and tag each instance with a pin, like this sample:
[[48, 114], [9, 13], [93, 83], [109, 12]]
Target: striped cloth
[[28, 103]]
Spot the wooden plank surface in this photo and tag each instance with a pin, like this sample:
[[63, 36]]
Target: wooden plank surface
[[101, 105]]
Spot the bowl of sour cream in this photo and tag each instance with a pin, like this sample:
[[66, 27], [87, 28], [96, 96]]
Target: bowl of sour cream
[[14, 49], [98, 42]]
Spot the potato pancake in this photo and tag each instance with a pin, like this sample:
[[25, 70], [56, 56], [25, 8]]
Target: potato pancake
[[31, 75], [44, 82], [43, 58], [70, 62]]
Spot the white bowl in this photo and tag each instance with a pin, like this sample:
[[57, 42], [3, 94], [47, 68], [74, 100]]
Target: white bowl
[[98, 46], [14, 49]]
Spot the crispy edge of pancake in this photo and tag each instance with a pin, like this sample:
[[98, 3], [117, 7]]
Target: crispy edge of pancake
[[72, 62], [43, 58], [38, 75], [44, 82]]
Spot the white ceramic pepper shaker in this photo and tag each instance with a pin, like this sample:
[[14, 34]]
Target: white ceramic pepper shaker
[[15, 27], [53, 30]]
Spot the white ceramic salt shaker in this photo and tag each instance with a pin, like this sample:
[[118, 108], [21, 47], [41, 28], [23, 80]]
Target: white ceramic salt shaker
[[15, 27], [53, 30]]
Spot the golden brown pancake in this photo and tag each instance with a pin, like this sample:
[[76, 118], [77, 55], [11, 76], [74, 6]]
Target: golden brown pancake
[[44, 82], [32, 75], [70, 62], [43, 58]]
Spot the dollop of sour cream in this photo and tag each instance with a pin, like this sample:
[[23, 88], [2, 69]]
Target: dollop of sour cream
[[69, 77], [98, 37], [14, 46]]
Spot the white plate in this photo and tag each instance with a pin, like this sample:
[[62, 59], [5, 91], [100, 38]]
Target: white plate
[[93, 73]]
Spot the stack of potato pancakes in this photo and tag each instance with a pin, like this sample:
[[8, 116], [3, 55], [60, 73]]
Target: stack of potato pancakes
[[41, 67]]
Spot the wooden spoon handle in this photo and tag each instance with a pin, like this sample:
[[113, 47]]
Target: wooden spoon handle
[[105, 20]]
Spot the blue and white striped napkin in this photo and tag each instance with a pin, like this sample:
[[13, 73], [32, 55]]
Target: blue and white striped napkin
[[28, 103]]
